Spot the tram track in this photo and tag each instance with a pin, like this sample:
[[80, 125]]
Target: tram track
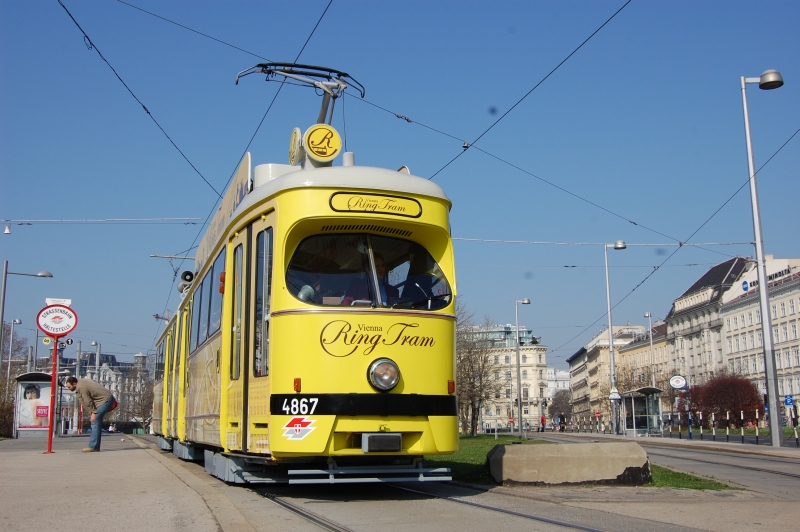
[[750, 468], [321, 522], [458, 500]]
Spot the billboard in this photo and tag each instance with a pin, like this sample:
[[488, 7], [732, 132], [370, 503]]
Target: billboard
[[33, 405]]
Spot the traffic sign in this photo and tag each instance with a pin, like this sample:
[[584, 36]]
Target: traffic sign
[[598, 415], [62, 345], [788, 400], [511, 420], [57, 321], [614, 395], [47, 340], [69, 341]]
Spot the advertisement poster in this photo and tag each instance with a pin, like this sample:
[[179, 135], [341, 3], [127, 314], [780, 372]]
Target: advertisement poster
[[33, 405]]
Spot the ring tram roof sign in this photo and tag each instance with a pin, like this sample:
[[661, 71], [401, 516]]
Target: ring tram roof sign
[[678, 382], [57, 320]]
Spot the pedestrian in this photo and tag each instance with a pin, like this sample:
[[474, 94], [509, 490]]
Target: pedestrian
[[562, 421], [96, 399], [542, 423]]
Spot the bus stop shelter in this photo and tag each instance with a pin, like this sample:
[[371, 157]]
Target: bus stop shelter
[[641, 410]]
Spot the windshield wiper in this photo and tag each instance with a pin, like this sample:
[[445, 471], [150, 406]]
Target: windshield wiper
[[423, 300]]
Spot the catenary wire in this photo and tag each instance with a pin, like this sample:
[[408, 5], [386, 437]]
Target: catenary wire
[[214, 207], [193, 30], [90, 45], [533, 89], [679, 248]]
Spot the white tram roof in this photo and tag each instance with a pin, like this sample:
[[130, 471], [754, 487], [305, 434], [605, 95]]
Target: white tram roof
[[269, 179]]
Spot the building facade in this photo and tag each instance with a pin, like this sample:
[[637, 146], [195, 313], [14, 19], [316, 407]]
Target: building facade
[[590, 371], [557, 379], [694, 326], [499, 410], [743, 342]]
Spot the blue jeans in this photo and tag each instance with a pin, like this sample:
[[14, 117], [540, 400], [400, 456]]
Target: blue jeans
[[94, 439]]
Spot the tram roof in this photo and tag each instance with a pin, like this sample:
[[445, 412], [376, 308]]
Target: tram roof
[[347, 177]]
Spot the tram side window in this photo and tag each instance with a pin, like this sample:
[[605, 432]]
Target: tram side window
[[236, 337], [336, 270], [263, 288], [208, 284], [216, 297], [195, 318]]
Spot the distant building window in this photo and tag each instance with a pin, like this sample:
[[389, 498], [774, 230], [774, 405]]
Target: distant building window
[[540, 359], [541, 373], [524, 373], [760, 339], [735, 324], [791, 306], [785, 329], [497, 410], [749, 318], [783, 309], [507, 359], [524, 359], [728, 325], [525, 393], [496, 359], [774, 311], [794, 330]]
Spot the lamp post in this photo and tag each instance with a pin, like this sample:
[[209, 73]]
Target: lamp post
[[97, 362], [6, 273], [771, 79], [652, 362], [11, 352], [619, 244], [525, 301]]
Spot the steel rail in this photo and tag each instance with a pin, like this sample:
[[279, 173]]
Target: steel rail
[[501, 510], [311, 517]]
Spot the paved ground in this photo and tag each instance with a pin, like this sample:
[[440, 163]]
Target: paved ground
[[131, 485]]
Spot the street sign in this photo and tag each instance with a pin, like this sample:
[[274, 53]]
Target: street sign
[[53, 301], [745, 286], [46, 340], [511, 420], [614, 395], [788, 400], [69, 341], [598, 415], [57, 320], [678, 382], [62, 345]]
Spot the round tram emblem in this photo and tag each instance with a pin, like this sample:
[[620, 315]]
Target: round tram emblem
[[322, 143], [678, 382], [57, 320]]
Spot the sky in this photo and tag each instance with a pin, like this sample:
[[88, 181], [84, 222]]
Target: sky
[[643, 123]]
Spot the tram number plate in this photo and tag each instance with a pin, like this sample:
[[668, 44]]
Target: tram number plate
[[300, 406]]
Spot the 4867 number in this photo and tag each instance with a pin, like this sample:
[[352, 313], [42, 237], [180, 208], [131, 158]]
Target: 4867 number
[[300, 406]]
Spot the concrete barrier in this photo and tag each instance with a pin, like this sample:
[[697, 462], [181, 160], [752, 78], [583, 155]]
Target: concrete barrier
[[575, 463]]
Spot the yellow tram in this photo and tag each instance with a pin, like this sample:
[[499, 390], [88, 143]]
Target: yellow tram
[[315, 338]]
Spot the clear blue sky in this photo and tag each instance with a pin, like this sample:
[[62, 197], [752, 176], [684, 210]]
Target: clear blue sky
[[645, 120]]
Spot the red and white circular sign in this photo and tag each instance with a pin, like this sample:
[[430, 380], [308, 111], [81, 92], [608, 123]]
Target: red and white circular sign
[[57, 320]]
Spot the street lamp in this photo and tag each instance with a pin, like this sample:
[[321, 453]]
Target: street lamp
[[652, 361], [11, 352], [771, 79], [619, 244], [525, 301], [97, 362], [6, 273]]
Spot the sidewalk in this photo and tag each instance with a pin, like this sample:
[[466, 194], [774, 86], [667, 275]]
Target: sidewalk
[[734, 446], [123, 487]]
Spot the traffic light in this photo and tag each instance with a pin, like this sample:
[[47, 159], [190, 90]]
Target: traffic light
[[766, 399]]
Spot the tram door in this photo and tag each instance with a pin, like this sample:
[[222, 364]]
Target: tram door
[[238, 286], [169, 348], [259, 303]]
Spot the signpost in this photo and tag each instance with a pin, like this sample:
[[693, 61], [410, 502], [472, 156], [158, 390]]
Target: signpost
[[56, 321]]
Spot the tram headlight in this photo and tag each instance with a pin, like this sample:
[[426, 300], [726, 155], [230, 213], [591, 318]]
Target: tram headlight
[[383, 374]]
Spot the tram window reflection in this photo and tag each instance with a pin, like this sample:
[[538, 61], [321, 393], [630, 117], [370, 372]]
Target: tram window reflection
[[335, 270]]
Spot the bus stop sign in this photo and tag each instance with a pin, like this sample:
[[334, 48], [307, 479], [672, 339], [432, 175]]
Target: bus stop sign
[[788, 400]]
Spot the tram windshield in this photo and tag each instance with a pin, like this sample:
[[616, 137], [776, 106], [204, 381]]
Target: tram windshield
[[366, 271]]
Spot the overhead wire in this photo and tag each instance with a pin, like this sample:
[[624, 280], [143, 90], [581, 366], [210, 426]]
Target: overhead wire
[[690, 237], [91, 45], [214, 207], [470, 144]]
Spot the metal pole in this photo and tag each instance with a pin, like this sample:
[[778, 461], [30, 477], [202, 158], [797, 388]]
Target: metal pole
[[652, 360], [519, 380], [97, 364], [10, 349], [3, 304], [771, 375], [36, 350], [53, 381], [78, 362], [611, 346]]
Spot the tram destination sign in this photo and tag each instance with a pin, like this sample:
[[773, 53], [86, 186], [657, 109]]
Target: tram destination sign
[[57, 320], [376, 203]]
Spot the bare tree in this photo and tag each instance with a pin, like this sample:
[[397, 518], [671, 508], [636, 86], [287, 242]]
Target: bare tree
[[477, 379], [136, 398]]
